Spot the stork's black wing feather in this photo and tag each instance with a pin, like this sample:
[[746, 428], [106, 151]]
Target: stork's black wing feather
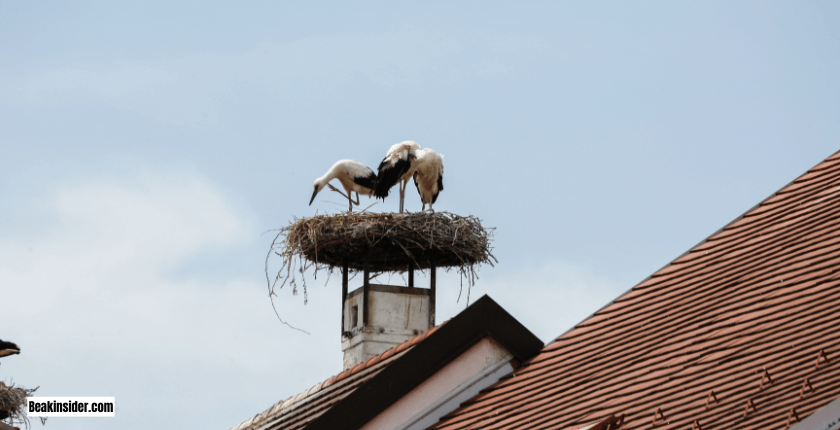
[[389, 176], [368, 181], [416, 185], [8, 348], [439, 186]]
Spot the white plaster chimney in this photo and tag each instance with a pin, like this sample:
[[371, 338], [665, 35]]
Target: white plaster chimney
[[388, 316]]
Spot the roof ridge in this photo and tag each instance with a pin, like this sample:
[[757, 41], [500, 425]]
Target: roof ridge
[[302, 397], [834, 156], [390, 352]]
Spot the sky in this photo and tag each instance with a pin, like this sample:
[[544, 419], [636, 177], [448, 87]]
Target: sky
[[147, 150]]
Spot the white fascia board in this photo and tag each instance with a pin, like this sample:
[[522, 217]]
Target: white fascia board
[[452, 400]]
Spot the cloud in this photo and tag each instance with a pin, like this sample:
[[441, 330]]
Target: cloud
[[106, 251], [103, 227], [101, 293], [192, 89]]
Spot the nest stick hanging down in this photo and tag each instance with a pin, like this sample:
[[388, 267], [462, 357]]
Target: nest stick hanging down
[[389, 241], [13, 403]]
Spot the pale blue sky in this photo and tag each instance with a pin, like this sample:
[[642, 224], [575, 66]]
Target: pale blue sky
[[145, 147]]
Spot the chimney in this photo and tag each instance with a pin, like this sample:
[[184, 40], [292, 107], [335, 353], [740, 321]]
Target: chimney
[[388, 316], [375, 318]]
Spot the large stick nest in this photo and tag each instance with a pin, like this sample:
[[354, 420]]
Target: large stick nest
[[13, 401], [388, 242]]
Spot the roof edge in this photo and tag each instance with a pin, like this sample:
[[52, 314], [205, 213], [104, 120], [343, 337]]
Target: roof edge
[[481, 319], [706, 239]]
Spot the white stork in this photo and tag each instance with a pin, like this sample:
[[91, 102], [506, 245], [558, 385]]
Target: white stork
[[428, 176], [354, 176], [8, 348], [397, 167]]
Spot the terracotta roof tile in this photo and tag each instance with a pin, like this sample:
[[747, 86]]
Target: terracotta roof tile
[[761, 295], [415, 340], [389, 353], [357, 368], [432, 330], [401, 347], [373, 360]]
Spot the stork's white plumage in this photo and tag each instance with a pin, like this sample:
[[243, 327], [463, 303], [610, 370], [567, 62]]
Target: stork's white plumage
[[354, 176], [428, 176], [397, 167]]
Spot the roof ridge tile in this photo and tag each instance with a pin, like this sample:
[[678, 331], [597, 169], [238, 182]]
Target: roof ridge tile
[[278, 411]]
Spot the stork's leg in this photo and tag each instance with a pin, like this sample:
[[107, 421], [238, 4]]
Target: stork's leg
[[402, 196], [405, 187], [357, 202], [349, 196], [338, 191]]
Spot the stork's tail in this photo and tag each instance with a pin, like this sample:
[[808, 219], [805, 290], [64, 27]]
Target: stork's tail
[[381, 190]]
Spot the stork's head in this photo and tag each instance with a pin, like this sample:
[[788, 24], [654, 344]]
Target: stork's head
[[410, 147], [318, 186]]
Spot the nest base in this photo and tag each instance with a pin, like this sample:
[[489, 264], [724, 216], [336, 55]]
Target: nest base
[[389, 241]]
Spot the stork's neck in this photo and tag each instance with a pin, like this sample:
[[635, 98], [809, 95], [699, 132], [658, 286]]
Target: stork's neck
[[323, 180]]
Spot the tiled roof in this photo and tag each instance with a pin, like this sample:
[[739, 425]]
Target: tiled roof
[[484, 318], [298, 411], [741, 332]]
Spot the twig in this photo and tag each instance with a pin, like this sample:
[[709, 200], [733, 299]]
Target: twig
[[13, 400], [322, 242]]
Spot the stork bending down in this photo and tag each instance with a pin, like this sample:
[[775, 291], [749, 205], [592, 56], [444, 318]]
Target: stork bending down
[[397, 167], [428, 176], [354, 176]]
